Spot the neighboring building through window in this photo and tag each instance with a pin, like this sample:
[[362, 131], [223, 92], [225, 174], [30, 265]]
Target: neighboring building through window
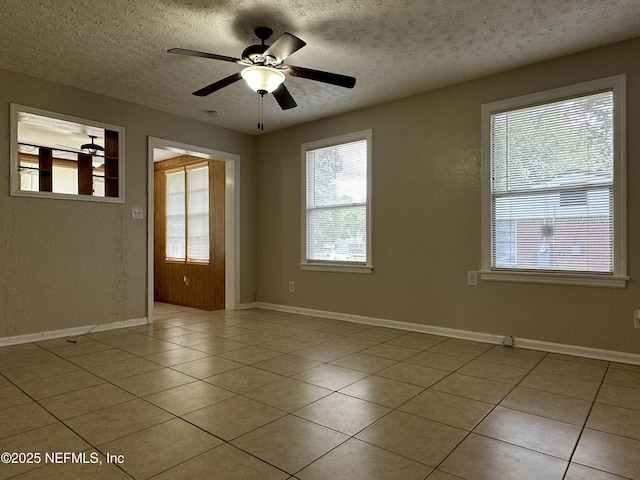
[[554, 187], [187, 214], [336, 203]]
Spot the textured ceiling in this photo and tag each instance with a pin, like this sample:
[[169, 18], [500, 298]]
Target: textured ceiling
[[394, 48]]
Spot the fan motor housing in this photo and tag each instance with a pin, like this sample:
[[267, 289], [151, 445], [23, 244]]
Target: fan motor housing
[[255, 54]]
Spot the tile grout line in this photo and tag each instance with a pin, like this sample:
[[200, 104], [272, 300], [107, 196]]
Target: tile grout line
[[350, 437], [138, 431], [59, 420], [584, 424], [471, 430], [392, 410], [180, 417]]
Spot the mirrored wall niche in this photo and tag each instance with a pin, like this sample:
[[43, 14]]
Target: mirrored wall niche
[[59, 156]]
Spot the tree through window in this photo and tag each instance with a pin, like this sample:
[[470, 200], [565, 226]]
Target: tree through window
[[336, 206]]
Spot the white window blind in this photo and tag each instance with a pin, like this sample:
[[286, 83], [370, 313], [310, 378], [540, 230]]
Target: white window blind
[[552, 186], [176, 248], [198, 213], [64, 179], [187, 214], [336, 203]]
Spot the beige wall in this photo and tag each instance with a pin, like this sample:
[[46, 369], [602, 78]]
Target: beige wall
[[426, 217], [66, 264]]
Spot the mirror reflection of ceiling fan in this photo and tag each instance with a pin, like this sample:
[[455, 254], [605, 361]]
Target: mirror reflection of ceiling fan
[[91, 148], [67, 138]]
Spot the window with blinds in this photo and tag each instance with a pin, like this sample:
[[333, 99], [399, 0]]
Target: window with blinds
[[336, 206], [553, 185], [187, 213]]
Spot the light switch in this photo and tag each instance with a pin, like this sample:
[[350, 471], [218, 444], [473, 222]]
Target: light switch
[[137, 212]]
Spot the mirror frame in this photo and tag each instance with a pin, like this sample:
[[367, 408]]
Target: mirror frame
[[16, 109]]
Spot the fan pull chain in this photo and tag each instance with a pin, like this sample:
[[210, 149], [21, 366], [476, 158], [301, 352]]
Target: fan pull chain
[[260, 111]]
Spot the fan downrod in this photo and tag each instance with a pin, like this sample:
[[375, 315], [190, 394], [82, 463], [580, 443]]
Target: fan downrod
[[254, 53]]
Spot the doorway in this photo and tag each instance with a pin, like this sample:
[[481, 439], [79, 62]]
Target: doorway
[[226, 168]]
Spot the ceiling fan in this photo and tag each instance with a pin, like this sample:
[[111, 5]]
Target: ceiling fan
[[93, 148], [264, 70]]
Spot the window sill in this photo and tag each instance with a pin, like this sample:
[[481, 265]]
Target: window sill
[[179, 261], [550, 278], [66, 196], [336, 267]]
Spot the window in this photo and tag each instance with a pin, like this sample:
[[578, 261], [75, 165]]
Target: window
[[336, 205], [554, 186], [59, 156], [187, 207]]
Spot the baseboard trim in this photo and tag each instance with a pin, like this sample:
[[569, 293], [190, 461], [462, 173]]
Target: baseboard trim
[[566, 349], [247, 306], [70, 332], [383, 322], [578, 351]]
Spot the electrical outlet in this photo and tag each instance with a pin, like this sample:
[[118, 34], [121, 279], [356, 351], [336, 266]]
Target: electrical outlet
[[292, 287], [472, 278], [137, 213], [636, 318], [507, 341]]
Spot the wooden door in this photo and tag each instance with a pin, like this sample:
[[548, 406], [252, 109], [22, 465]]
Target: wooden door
[[194, 284]]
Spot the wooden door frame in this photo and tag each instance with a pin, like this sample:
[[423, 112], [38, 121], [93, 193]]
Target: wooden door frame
[[232, 217]]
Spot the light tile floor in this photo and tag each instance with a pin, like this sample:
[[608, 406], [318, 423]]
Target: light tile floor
[[258, 394]]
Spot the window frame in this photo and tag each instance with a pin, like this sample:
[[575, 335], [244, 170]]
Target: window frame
[[342, 266], [187, 260], [15, 110], [616, 279]]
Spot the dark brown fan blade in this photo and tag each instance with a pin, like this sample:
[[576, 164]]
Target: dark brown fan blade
[[194, 53], [214, 87], [284, 98], [318, 76], [285, 45]]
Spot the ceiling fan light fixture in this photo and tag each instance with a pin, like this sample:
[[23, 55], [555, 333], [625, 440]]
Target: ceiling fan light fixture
[[92, 148], [262, 79]]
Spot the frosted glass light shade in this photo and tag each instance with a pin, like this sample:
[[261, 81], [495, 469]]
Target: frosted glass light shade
[[260, 78]]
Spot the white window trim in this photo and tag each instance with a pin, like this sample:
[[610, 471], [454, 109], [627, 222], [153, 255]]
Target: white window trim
[[328, 266], [619, 277], [15, 191]]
